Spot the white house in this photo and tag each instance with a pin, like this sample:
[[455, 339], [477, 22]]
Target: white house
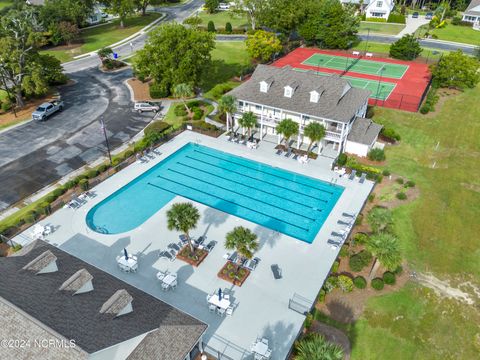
[[472, 14], [379, 9], [273, 94]]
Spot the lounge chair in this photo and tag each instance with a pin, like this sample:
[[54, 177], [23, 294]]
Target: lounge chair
[[200, 240], [288, 153], [210, 245], [279, 152], [352, 174], [295, 157], [233, 257], [183, 239], [351, 215], [362, 178], [174, 246], [277, 272], [149, 154]]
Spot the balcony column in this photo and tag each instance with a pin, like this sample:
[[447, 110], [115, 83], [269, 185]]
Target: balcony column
[[298, 141]]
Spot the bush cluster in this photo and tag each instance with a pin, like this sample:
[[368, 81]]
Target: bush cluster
[[360, 238], [399, 181], [360, 282], [345, 283], [335, 266], [430, 101], [457, 20], [401, 195], [409, 184], [386, 172], [389, 278], [180, 110], [202, 125], [156, 127], [330, 284], [376, 154], [396, 18], [159, 90], [342, 159], [219, 90], [197, 113], [358, 261], [377, 283], [390, 134], [6, 105]]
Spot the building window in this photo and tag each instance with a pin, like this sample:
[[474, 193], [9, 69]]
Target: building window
[[339, 127], [288, 91], [379, 4], [240, 103], [263, 87], [258, 107], [376, 14]]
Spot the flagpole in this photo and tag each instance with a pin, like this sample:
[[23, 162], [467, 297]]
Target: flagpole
[[106, 139]]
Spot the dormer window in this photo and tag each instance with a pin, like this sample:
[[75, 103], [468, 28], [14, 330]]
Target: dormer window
[[314, 96], [379, 4], [288, 91], [263, 86]]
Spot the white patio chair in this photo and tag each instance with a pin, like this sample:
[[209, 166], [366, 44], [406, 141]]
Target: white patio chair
[[209, 297], [229, 311], [221, 311], [212, 308], [265, 341], [226, 296]]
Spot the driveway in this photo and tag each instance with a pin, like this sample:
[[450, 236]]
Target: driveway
[[38, 153], [412, 25]]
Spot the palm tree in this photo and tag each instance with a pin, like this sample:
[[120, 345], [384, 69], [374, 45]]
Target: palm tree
[[228, 105], [183, 91], [315, 347], [243, 240], [248, 121], [379, 218], [287, 128], [183, 217], [315, 132], [384, 247]]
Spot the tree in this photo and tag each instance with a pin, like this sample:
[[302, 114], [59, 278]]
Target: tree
[[211, 27], [287, 128], [406, 48], [121, 8], [227, 105], [248, 121], [314, 347], [242, 240], [332, 26], [174, 55], [65, 32], [456, 70], [384, 247], [104, 54], [284, 15], [73, 11], [212, 5], [252, 9], [262, 45], [142, 5], [315, 132], [379, 218], [183, 217], [228, 28], [476, 53], [183, 91]]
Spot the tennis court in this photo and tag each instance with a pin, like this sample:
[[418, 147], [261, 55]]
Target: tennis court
[[379, 90], [357, 65]]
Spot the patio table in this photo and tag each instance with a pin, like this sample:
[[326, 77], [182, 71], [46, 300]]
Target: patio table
[[223, 304], [260, 348], [131, 263], [169, 279]]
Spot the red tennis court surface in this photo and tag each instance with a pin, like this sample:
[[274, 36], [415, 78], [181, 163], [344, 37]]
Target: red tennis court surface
[[407, 94]]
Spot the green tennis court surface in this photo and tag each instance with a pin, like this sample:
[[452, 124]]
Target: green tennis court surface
[[378, 91], [361, 66]]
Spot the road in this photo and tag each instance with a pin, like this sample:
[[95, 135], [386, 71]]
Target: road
[[174, 13]]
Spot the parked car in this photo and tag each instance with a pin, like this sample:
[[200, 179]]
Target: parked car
[[429, 16], [46, 109], [415, 15], [146, 106], [223, 6]]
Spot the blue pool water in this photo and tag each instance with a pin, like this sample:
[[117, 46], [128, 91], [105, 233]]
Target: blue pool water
[[280, 200]]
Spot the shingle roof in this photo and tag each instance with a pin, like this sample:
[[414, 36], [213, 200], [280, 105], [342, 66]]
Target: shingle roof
[[76, 281], [332, 105], [78, 317], [40, 262], [364, 131], [116, 303], [473, 4]]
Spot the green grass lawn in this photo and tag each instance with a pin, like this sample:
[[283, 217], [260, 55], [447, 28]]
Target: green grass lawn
[[222, 17], [385, 49], [101, 36], [4, 3], [455, 33], [380, 28], [438, 232]]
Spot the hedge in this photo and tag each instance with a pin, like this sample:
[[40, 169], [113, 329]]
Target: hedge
[[83, 184], [377, 284], [430, 101], [396, 18], [372, 19], [360, 282], [219, 90], [93, 173], [156, 127]]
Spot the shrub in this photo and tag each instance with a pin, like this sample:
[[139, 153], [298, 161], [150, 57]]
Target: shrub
[[197, 113], [409, 184], [360, 282], [371, 197], [390, 133], [180, 110], [194, 103], [211, 26], [335, 266], [401, 196], [50, 198], [128, 153], [228, 28], [321, 295], [330, 284], [342, 159], [430, 101], [102, 168], [373, 19], [345, 283], [30, 217], [308, 321], [158, 91], [218, 90], [93, 173], [389, 278], [386, 172], [398, 270], [343, 251], [376, 154], [84, 184], [6, 105], [156, 127], [204, 126], [399, 181], [396, 18], [358, 261], [44, 208], [59, 191], [377, 284], [70, 184], [360, 238]]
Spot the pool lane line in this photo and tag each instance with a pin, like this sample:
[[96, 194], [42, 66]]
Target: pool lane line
[[253, 178], [244, 195], [227, 201], [280, 177]]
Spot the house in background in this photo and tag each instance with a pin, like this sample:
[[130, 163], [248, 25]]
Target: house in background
[[379, 9], [472, 14], [274, 94], [63, 308]]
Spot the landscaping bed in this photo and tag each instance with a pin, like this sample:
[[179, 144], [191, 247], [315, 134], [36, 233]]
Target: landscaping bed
[[233, 273], [193, 259], [311, 155]]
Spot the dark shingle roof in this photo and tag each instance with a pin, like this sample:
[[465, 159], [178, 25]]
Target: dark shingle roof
[[364, 131], [338, 102], [78, 317], [76, 281]]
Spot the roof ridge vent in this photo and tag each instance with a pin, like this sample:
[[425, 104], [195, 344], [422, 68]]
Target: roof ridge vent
[[118, 304], [44, 263], [78, 283]]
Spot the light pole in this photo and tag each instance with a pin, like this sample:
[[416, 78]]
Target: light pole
[[102, 123], [378, 86]]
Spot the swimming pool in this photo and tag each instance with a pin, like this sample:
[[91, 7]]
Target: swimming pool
[[280, 200]]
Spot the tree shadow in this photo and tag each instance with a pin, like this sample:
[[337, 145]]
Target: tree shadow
[[213, 217], [220, 72], [341, 312]]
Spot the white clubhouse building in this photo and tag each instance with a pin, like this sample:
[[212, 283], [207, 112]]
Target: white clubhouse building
[[274, 94]]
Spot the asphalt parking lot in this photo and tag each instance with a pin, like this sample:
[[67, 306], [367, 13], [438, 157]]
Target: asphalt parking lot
[[36, 154]]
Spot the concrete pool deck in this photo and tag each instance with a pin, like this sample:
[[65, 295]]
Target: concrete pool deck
[[263, 303]]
